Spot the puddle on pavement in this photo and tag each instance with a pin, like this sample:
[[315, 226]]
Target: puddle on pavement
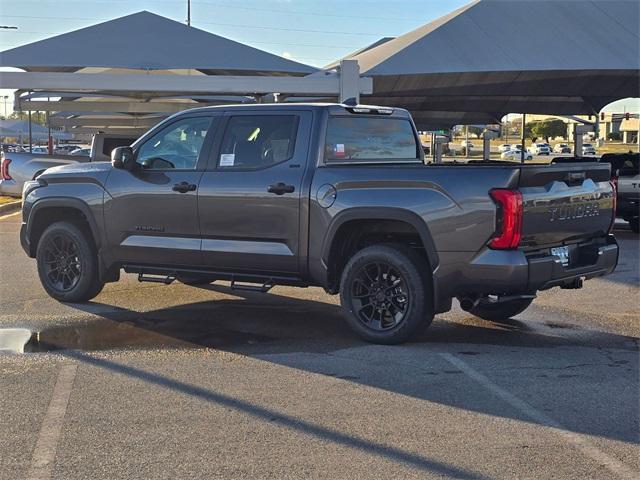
[[106, 335]]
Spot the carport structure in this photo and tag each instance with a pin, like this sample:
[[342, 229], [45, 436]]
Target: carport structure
[[491, 57], [145, 65]]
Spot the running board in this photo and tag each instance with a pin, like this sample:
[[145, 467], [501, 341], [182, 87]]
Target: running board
[[264, 288], [256, 282], [166, 280]]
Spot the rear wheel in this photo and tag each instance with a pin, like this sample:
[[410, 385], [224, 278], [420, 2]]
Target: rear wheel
[[68, 263], [502, 310], [386, 294]]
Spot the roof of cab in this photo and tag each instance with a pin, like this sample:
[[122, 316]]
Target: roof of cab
[[331, 107]]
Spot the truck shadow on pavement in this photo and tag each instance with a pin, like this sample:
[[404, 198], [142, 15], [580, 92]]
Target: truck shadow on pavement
[[311, 335]]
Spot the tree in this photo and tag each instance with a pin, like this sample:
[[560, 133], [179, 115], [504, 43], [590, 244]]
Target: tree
[[549, 128]]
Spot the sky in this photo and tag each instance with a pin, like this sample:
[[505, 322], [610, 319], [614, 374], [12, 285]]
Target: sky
[[314, 32]]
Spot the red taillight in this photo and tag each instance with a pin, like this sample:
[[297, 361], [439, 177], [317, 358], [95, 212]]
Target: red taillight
[[509, 227], [4, 169], [614, 187]]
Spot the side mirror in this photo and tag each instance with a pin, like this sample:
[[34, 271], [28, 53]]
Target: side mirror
[[123, 157]]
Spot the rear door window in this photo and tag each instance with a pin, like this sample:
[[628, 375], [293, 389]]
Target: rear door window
[[253, 142], [370, 139]]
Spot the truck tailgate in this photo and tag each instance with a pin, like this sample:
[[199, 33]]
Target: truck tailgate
[[565, 203]]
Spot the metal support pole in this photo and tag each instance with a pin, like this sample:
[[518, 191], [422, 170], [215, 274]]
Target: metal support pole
[[30, 133], [189, 12], [49, 139], [524, 122], [506, 134], [349, 80], [466, 140]]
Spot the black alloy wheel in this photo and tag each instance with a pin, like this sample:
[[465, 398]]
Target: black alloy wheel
[[380, 296], [386, 292], [68, 262], [62, 265]]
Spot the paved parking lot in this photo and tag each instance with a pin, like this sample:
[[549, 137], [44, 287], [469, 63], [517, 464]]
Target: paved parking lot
[[172, 382]]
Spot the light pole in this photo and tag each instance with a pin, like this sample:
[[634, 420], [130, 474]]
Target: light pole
[[4, 98]]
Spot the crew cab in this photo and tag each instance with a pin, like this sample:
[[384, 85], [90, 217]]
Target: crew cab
[[331, 195]]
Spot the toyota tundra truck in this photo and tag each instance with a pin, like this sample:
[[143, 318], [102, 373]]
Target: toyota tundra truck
[[332, 195]]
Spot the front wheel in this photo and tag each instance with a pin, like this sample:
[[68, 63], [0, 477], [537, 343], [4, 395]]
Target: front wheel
[[501, 311], [386, 294], [68, 263]]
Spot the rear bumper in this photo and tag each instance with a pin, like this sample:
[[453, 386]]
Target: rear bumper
[[516, 272], [547, 271]]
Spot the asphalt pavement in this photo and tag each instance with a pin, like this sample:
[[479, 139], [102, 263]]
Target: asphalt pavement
[[153, 381]]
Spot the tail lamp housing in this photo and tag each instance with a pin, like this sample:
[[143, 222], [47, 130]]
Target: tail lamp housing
[[509, 219], [4, 169]]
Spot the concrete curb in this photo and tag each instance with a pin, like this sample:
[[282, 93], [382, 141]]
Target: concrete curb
[[10, 207]]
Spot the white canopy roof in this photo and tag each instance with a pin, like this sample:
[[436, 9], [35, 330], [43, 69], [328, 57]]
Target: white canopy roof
[[146, 41], [498, 57]]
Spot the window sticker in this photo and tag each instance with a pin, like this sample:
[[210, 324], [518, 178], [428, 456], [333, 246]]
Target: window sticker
[[339, 150], [227, 159]]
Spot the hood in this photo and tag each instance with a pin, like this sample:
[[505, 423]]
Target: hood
[[79, 169], [92, 172]]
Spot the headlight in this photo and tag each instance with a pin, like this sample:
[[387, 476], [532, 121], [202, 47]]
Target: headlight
[[30, 186]]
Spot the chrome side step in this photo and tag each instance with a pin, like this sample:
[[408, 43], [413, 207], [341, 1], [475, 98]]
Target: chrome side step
[[166, 280]]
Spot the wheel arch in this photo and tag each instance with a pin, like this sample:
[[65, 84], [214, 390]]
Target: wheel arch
[[46, 211], [358, 215]]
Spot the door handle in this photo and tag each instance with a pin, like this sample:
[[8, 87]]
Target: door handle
[[281, 188], [184, 187]]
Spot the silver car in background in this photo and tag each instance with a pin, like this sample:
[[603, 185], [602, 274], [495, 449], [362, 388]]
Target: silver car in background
[[18, 168]]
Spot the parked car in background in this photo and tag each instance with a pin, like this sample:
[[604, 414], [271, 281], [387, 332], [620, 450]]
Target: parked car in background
[[65, 149], [540, 149], [625, 173], [81, 151], [18, 168], [515, 155], [465, 144], [562, 148], [588, 149], [39, 149], [504, 148]]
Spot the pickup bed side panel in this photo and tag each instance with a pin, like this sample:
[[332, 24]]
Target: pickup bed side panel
[[452, 204]]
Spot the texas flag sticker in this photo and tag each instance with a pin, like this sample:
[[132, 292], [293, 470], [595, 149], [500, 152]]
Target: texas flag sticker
[[339, 150]]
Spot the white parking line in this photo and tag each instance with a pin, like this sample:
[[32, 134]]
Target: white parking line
[[589, 450], [10, 215], [44, 452]]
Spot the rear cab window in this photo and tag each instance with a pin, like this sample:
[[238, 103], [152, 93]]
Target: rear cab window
[[370, 139]]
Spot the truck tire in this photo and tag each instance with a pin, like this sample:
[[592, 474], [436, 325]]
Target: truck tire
[[68, 263], [386, 294], [501, 311]]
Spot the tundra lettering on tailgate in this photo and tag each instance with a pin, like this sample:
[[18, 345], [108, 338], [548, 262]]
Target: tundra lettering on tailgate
[[570, 212]]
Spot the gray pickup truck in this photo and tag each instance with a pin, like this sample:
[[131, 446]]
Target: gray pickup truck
[[330, 195]]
